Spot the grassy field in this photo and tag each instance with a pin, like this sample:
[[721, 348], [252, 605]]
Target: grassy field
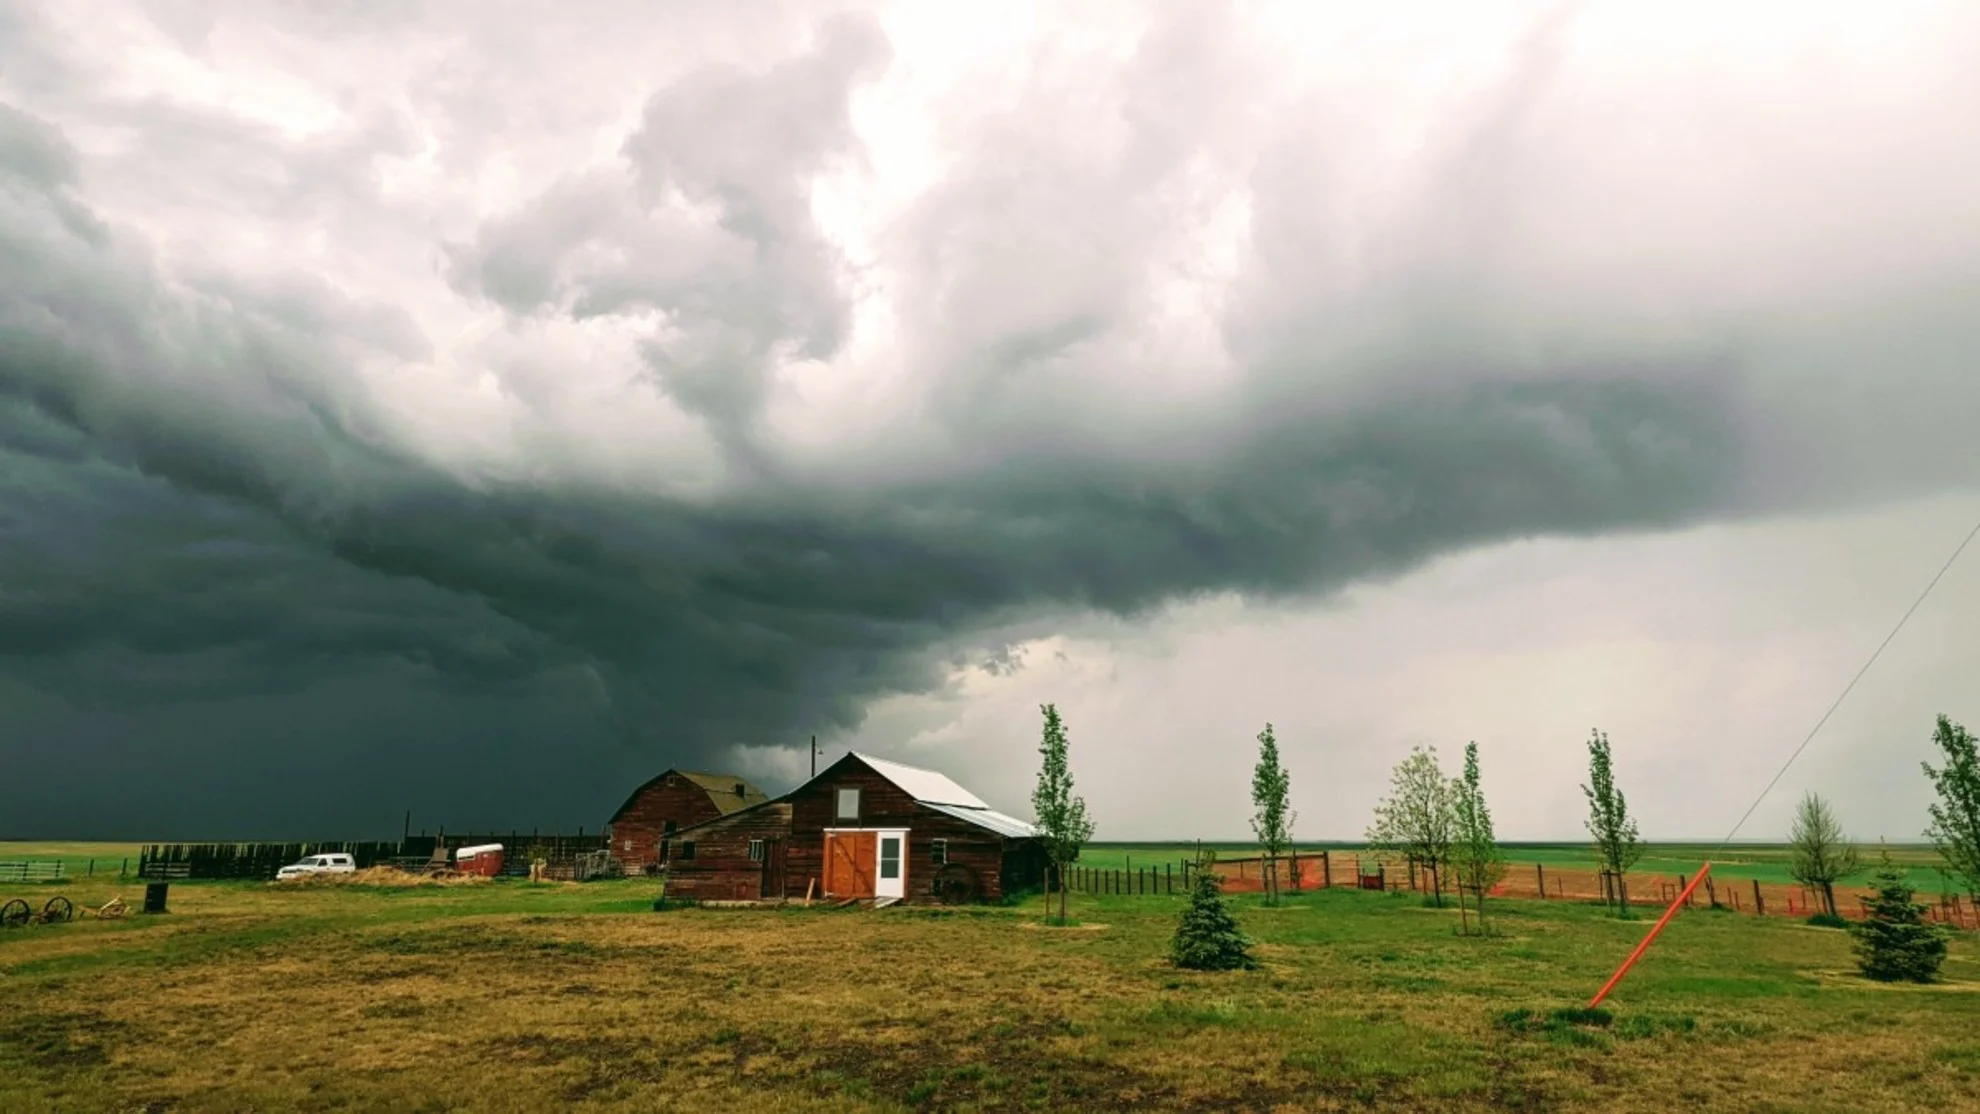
[[74, 856], [507, 996]]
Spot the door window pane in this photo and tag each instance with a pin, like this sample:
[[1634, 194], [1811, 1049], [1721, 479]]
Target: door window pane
[[890, 857]]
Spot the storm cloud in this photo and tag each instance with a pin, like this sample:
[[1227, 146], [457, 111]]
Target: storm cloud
[[705, 401]]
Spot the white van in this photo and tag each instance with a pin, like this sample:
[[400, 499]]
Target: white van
[[336, 863]]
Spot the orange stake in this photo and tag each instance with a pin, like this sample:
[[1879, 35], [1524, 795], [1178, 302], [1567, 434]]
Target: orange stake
[[1654, 930]]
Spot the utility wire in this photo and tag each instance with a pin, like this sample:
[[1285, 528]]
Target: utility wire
[[1782, 772]]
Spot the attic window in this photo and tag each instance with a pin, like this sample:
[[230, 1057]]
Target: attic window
[[940, 848], [756, 850], [848, 804], [667, 828], [687, 849]]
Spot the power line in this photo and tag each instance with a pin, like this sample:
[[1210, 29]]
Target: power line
[[1782, 772]]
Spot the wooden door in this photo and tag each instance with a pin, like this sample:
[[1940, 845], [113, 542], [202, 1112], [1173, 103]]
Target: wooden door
[[773, 868], [849, 862]]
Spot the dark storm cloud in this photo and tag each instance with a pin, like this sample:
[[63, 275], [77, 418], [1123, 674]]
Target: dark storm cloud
[[200, 502]]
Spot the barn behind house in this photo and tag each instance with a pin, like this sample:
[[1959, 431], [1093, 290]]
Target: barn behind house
[[864, 828], [639, 832]]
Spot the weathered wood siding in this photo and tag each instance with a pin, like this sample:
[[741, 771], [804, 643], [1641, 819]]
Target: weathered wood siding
[[883, 805], [638, 829], [721, 869]]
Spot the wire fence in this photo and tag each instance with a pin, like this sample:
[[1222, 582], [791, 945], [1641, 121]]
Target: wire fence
[[1538, 881]]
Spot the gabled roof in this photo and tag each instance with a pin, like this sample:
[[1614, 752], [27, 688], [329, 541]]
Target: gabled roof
[[721, 790], [779, 807], [932, 790], [925, 786]]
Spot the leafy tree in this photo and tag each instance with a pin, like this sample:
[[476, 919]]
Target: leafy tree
[[1820, 855], [1616, 842], [1272, 815], [1955, 827], [1062, 820], [1895, 944], [1480, 864], [1416, 818], [1207, 938]]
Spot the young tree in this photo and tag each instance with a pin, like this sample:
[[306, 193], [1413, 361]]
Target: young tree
[[1062, 821], [1955, 827], [1616, 842], [1207, 938], [1272, 815], [1821, 855], [1895, 944], [1415, 819], [1480, 864]]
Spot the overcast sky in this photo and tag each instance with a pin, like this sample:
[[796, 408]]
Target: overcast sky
[[478, 407]]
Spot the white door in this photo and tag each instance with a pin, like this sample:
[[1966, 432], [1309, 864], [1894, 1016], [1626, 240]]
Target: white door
[[890, 875]]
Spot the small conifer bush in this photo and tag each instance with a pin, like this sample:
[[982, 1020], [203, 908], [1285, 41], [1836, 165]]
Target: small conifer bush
[[1207, 938], [1895, 944]]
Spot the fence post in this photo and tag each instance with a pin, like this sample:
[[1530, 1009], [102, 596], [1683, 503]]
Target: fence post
[[124, 866], [1682, 890], [91, 872], [1326, 871], [1759, 903], [1540, 872]]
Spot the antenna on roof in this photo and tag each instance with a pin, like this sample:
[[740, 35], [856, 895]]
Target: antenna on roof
[[814, 756]]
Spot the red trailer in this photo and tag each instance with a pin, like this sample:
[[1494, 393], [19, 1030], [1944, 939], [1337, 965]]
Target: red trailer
[[484, 859]]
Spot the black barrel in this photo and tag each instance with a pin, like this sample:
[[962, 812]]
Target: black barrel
[[154, 896]]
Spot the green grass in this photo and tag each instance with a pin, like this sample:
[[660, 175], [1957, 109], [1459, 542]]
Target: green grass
[[75, 855], [511, 996]]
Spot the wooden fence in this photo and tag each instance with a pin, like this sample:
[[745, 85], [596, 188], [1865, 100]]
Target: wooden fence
[[1335, 870]]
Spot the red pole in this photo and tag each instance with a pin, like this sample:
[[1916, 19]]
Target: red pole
[[1645, 945]]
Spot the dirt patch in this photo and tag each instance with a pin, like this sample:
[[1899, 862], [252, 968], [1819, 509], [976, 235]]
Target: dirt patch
[[72, 1041], [382, 876]]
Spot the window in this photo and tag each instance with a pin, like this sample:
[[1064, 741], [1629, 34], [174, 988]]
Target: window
[[941, 849], [667, 828], [890, 857], [756, 850], [849, 804], [687, 849]]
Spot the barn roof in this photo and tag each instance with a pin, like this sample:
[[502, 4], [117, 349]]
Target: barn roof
[[925, 786], [1010, 827], [932, 790], [721, 790]]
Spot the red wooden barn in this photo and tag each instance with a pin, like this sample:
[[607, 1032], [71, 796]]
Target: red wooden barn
[[676, 799], [864, 828]]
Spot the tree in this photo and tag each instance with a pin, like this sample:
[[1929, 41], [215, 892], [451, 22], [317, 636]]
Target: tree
[[1480, 864], [1820, 855], [1616, 842], [1272, 815], [1415, 819], [1207, 938], [1955, 827], [1895, 944], [1062, 821]]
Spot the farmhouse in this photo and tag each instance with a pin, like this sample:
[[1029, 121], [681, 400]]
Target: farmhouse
[[638, 833], [864, 828]]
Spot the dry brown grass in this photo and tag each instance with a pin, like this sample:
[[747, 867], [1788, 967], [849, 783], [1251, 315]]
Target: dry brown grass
[[517, 997]]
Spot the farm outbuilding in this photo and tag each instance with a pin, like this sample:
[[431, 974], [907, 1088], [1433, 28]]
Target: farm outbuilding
[[639, 831], [864, 828]]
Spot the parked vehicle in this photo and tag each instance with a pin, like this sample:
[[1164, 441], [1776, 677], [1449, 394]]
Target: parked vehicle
[[335, 863]]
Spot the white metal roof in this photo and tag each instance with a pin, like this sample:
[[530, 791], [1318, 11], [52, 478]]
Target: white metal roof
[[477, 849], [1008, 826], [925, 786]]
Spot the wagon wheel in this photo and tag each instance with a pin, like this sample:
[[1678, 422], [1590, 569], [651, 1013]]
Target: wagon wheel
[[14, 913], [57, 910], [956, 884]]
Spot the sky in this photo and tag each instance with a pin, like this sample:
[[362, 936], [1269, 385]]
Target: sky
[[475, 408]]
